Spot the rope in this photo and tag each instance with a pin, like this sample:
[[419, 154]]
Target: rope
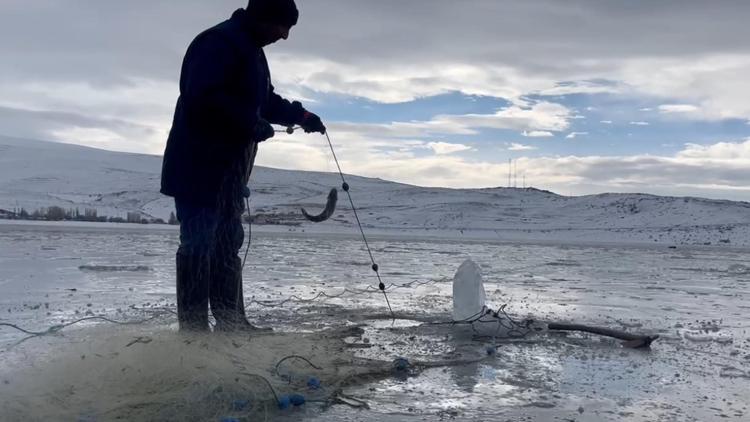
[[249, 232], [238, 296], [265, 380], [278, 364], [514, 329], [345, 186], [56, 328]]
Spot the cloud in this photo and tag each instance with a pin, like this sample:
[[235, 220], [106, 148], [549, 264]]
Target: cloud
[[107, 133], [132, 117], [639, 123], [536, 119], [606, 122], [582, 87], [523, 59], [410, 53], [723, 171], [727, 151], [723, 167], [399, 81], [443, 148], [412, 129], [713, 82], [573, 135], [717, 170], [541, 116], [520, 147], [537, 134], [677, 108]]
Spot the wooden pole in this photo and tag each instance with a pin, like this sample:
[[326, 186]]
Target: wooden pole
[[633, 341]]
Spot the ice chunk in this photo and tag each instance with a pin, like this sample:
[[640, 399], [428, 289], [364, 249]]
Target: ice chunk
[[468, 291], [732, 372], [706, 336]]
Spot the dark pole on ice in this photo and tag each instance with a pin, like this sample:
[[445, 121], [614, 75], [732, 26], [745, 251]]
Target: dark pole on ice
[[633, 341]]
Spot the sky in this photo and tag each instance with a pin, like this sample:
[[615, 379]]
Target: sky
[[585, 96]]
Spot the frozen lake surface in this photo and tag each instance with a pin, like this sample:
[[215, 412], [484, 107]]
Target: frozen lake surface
[[695, 299]]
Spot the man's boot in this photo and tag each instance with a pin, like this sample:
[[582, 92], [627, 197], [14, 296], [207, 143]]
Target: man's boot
[[227, 303], [193, 273]]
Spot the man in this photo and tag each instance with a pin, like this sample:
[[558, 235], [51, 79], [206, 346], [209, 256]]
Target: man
[[224, 111]]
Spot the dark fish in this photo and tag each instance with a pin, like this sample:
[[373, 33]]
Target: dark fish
[[333, 197]]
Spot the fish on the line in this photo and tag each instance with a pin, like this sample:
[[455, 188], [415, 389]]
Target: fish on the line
[[328, 211]]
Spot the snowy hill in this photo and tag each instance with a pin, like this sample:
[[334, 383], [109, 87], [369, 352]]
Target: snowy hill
[[35, 174]]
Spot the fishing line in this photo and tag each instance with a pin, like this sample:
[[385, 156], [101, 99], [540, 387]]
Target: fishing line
[[345, 186], [249, 229]]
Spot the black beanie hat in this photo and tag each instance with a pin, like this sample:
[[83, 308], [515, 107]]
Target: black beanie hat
[[282, 12]]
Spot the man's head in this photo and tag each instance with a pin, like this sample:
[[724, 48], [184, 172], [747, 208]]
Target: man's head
[[272, 19]]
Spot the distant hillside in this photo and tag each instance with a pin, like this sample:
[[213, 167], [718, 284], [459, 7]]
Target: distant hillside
[[36, 174]]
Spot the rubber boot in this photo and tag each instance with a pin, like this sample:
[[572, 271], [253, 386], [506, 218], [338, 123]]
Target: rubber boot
[[227, 299], [193, 292], [227, 303]]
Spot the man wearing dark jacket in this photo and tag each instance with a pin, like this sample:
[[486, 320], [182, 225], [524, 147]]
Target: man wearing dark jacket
[[226, 106]]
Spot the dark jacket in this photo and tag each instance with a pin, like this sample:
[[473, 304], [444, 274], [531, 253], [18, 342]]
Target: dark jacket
[[225, 87]]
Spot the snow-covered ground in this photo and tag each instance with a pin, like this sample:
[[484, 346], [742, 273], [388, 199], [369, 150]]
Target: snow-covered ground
[[36, 174], [695, 298]]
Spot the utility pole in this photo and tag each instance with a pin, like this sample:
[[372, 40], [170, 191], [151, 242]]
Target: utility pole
[[509, 169]]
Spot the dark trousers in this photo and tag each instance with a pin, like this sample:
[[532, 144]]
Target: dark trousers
[[209, 270]]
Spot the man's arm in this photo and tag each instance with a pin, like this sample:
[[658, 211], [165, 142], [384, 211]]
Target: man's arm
[[206, 94], [281, 111]]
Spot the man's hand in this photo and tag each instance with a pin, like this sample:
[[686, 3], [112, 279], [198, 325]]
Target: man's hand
[[263, 131], [312, 123]]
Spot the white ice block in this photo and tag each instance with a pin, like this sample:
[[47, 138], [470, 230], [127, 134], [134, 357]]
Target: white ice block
[[468, 291]]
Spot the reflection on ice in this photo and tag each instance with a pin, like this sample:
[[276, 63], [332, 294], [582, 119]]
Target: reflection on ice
[[106, 268]]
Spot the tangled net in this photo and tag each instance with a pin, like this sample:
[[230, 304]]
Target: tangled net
[[100, 368]]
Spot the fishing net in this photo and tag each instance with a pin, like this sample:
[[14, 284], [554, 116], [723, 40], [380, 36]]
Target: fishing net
[[97, 368], [148, 373], [144, 372]]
